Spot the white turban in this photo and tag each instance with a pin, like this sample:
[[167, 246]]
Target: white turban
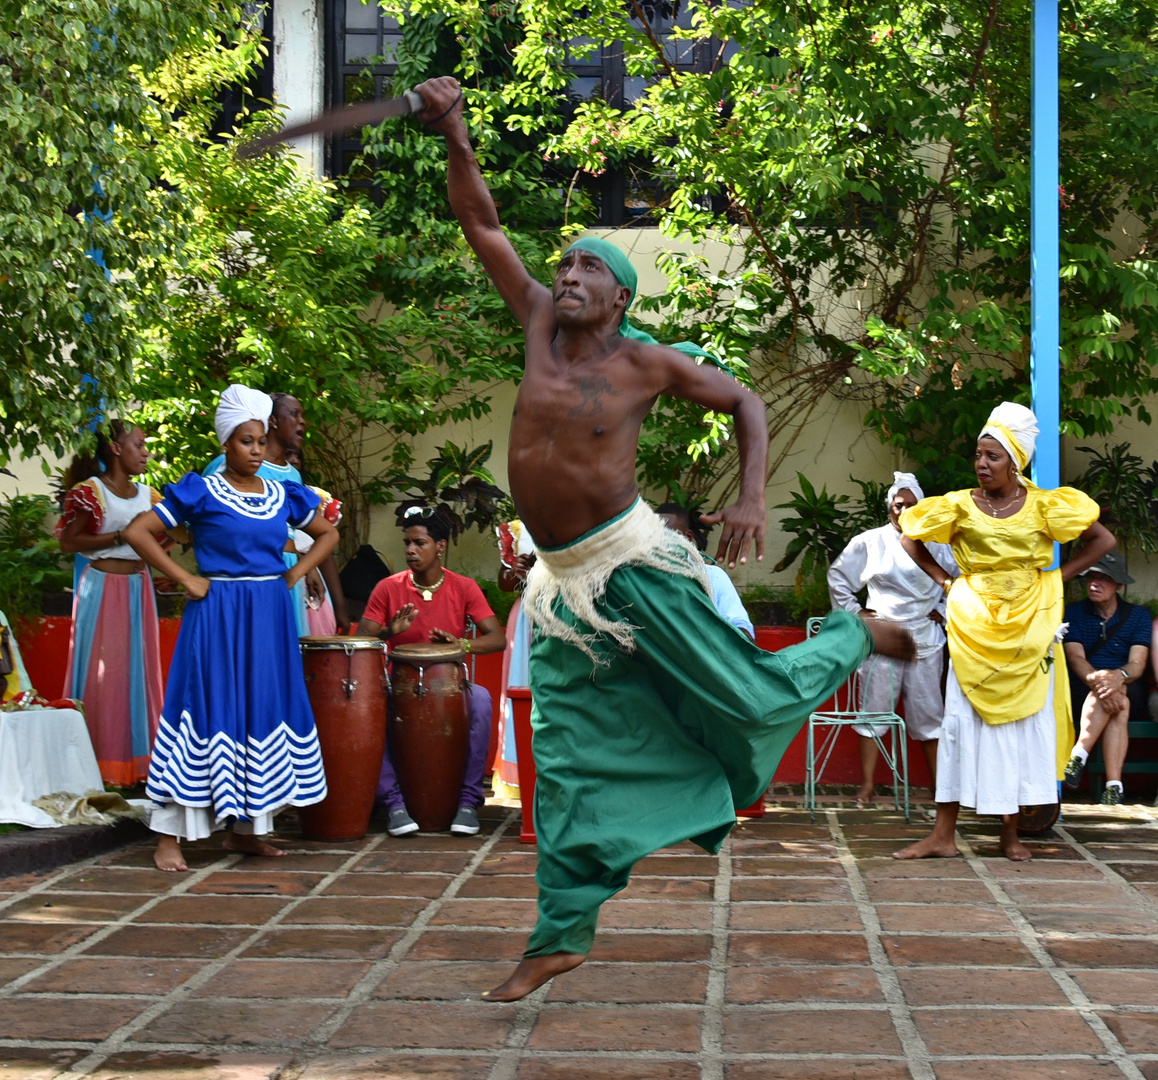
[[1015, 427], [904, 481], [239, 404]]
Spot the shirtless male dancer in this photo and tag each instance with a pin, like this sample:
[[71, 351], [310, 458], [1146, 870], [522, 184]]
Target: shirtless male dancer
[[653, 717]]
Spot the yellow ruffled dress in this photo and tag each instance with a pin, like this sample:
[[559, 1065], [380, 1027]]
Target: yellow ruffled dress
[[1006, 736]]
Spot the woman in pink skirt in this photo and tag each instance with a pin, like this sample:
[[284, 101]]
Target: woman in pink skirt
[[114, 657]]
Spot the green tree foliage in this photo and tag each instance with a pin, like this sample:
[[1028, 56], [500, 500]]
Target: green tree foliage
[[30, 559], [444, 305], [237, 270], [1126, 490], [288, 284], [871, 162], [78, 171]]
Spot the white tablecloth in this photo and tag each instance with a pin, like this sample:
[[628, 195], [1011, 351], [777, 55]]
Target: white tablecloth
[[43, 751]]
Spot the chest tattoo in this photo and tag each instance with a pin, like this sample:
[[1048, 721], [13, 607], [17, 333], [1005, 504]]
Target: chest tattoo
[[591, 390]]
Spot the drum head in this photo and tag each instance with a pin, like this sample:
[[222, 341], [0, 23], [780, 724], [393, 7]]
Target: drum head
[[1037, 819], [341, 641], [423, 654]]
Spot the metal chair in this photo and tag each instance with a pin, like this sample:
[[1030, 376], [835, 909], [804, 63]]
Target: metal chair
[[847, 713]]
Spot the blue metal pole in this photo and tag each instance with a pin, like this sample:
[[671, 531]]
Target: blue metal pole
[[1045, 259]]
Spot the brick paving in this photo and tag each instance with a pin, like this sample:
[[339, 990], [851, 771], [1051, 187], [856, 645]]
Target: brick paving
[[802, 952]]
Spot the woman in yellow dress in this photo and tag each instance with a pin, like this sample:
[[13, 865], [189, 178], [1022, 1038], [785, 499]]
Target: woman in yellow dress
[[1006, 736]]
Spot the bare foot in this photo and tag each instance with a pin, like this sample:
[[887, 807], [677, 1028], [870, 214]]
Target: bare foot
[[1015, 850], [1010, 843], [932, 847], [168, 855], [889, 639], [531, 973], [248, 844]]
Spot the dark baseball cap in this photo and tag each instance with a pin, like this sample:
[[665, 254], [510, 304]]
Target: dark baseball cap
[[1113, 566]]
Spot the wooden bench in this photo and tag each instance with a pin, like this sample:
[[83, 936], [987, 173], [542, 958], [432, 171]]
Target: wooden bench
[[1096, 767]]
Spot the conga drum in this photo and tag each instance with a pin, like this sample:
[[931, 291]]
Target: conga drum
[[346, 681], [1038, 819], [430, 730]]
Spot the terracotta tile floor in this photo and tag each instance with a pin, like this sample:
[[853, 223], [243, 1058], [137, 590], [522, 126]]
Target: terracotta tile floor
[[801, 953]]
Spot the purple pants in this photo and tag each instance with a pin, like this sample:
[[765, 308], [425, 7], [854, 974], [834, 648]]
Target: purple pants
[[390, 794]]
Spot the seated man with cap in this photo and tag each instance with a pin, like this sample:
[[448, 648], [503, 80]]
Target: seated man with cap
[[1107, 644]]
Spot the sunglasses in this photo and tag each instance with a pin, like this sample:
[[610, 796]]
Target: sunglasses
[[418, 512]]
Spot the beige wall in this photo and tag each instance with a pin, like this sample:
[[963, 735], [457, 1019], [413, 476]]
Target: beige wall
[[30, 478]]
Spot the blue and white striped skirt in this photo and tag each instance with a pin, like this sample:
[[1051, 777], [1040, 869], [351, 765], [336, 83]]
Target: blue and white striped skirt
[[236, 737]]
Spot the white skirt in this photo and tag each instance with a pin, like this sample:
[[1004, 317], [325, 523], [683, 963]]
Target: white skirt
[[198, 822], [995, 768]]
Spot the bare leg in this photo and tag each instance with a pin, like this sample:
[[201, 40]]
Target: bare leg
[[1093, 723], [1115, 743], [940, 843], [248, 844], [1011, 845], [531, 973], [868, 769], [889, 639], [168, 855], [930, 748]]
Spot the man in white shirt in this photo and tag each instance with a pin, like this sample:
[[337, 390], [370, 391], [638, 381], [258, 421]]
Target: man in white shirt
[[901, 592]]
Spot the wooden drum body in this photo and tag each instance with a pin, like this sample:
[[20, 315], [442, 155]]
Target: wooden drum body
[[346, 681], [430, 730]]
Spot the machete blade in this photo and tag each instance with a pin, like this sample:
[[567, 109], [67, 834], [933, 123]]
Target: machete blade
[[347, 118]]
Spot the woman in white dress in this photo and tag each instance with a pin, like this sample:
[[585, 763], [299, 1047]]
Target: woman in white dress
[[1006, 736]]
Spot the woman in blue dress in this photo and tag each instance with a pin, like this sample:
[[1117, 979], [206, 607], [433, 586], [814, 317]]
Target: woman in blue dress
[[236, 740]]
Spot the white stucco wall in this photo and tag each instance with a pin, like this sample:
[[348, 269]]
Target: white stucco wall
[[299, 71]]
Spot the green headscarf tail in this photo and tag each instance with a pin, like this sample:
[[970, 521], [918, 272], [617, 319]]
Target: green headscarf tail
[[623, 272]]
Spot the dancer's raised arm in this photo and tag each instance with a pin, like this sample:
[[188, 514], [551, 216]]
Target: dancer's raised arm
[[471, 201]]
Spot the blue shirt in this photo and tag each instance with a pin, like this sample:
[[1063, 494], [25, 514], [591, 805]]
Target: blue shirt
[[727, 600], [235, 533], [1086, 629]]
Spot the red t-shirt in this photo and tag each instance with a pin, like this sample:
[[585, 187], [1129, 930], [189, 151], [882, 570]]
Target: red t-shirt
[[457, 597]]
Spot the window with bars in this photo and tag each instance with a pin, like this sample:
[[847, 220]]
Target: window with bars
[[239, 97], [362, 43]]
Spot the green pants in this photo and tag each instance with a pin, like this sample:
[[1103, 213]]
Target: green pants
[[662, 745]]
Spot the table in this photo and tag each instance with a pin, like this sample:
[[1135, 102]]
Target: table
[[43, 751]]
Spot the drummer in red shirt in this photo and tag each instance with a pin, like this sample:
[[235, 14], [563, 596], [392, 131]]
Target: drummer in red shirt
[[427, 602]]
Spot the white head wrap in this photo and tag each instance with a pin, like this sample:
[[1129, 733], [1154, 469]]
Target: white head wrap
[[239, 404], [904, 481], [1015, 427]]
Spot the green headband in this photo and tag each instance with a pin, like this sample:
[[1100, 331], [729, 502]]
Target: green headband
[[623, 272]]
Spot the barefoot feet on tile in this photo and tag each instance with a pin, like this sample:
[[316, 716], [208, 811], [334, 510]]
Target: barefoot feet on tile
[[531, 973]]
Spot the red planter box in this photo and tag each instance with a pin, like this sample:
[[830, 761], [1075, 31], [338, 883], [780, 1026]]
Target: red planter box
[[844, 765], [43, 645], [521, 706]]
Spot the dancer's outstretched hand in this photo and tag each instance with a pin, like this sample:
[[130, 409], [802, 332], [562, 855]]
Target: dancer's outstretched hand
[[744, 524], [891, 639]]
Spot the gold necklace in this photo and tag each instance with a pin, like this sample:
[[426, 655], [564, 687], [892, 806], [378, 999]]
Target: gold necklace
[[427, 591], [109, 484], [1004, 506]]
